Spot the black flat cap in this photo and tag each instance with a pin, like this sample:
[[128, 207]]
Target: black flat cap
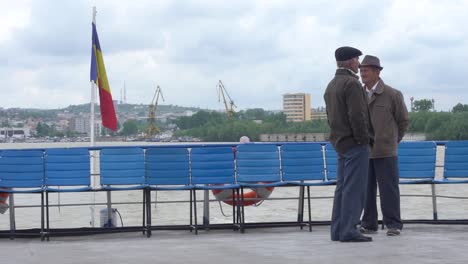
[[346, 53]]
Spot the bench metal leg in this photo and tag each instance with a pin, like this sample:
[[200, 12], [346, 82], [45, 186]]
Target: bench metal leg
[[12, 216], [144, 211], [109, 209], [191, 210], [206, 209], [195, 210], [148, 212], [234, 206], [242, 229], [300, 207], [434, 202], [47, 216], [237, 207], [310, 210]]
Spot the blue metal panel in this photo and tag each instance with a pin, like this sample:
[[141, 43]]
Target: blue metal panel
[[67, 167], [331, 161], [167, 166], [123, 166], [212, 165], [302, 162], [456, 160], [416, 160], [258, 163], [21, 168]]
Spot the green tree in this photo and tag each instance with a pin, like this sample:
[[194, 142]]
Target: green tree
[[130, 127], [436, 121], [460, 108], [43, 130], [5, 123], [424, 105]]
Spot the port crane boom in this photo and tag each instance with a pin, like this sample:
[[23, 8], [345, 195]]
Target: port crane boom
[[222, 93], [152, 129]]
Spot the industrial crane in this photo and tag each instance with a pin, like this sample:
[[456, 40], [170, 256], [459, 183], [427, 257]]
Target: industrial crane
[[152, 129], [222, 92]]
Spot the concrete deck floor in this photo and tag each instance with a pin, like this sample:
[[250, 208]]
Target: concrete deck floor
[[417, 244]]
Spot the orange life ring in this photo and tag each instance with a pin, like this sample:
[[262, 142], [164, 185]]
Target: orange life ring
[[253, 197]]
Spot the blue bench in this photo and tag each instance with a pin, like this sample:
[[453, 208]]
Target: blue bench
[[455, 163], [417, 162], [22, 171], [66, 170], [168, 169], [303, 165], [212, 168], [194, 168]]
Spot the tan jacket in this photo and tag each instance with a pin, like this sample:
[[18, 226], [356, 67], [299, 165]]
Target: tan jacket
[[389, 118]]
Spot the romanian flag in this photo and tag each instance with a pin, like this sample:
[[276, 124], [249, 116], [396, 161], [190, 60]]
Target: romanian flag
[[99, 77]]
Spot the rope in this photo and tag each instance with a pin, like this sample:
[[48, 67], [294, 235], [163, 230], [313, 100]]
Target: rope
[[221, 209], [121, 221]]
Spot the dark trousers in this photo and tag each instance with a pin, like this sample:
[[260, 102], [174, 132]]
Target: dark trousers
[[383, 172], [350, 192]]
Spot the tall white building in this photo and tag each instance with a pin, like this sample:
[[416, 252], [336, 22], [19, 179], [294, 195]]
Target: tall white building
[[83, 125], [296, 107]]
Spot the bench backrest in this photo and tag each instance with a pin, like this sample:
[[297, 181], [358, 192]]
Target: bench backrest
[[167, 166], [417, 160], [67, 167], [258, 163], [21, 168], [456, 159], [122, 166], [331, 162], [302, 162], [212, 165]]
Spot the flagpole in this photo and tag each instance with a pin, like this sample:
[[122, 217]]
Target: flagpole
[[93, 153], [93, 95]]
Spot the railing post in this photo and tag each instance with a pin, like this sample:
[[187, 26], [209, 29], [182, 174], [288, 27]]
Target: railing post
[[206, 209], [109, 210], [300, 207], [12, 214], [434, 202], [95, 182]]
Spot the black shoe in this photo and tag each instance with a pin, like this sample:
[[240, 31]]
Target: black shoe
[[359, 239], [368, 231]]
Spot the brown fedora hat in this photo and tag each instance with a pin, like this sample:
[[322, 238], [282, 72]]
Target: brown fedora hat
[[371, 61]]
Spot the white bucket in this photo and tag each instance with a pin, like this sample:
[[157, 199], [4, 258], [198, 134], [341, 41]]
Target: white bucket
[[104, 218]]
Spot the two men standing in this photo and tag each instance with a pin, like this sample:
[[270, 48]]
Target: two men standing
[[354, 112]]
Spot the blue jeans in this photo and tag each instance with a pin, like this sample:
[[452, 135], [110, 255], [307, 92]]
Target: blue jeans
[[350, 192]]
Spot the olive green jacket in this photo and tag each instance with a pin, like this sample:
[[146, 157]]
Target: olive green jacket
[[347, 111]]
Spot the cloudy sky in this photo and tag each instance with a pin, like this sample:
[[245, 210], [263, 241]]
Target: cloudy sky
[[260, 49]]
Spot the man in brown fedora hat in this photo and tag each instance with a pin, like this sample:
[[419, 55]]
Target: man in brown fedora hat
[[350, 134], [389, 119]]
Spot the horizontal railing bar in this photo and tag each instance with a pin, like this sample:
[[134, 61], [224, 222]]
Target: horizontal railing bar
[[215, 200], [193, 145]]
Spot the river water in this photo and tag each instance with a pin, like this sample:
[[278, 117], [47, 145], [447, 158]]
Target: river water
[[178, 213]]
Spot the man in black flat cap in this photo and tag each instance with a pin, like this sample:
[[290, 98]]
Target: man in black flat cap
[[389, 118], [351, 134]]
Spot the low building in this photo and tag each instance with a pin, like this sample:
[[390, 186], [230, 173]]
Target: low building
[[318, 116], [15, 132], [294, 137]]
